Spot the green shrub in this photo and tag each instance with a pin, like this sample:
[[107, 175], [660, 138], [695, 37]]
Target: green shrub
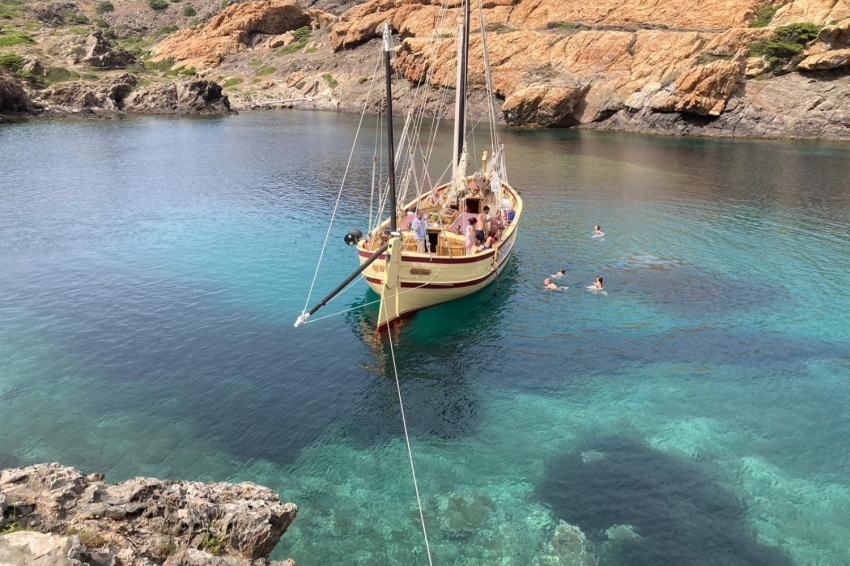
[[362, 80], [60, 74], [229, 83], [91, 539], [11, 527], [104, 7], [194, 22], [167, 29], [255, 62], [267, 70], [300, 38], [158, 5], [764, 15], [15, 39], [163, 66], [190, 72], [300, 85], [330, 80], [12, 61], [176, 1], [225, 4], [90, 77], [189, 11], [212, 544], [101, 23], [35, 81], [785, 42], [310, 50]]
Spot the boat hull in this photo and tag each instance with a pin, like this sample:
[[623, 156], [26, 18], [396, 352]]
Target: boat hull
[[409, 282]]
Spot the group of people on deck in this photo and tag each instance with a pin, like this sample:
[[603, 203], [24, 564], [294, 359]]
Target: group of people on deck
[[549, 285], [482, 231]]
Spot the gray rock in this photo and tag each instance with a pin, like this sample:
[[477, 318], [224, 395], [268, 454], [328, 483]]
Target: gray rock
[[13, 97], [38, 549], [140, 522], [98, 52], [184, 97]]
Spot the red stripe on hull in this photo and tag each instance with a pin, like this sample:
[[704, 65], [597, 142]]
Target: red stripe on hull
[[462, 259], [415, 285]]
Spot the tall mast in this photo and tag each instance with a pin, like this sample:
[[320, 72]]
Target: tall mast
[[460, 91], [390, 144]]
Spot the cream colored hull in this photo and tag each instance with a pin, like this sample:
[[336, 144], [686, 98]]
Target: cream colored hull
[[409, 282]]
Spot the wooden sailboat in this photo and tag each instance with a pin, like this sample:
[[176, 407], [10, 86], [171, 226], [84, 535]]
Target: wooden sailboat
[[408, 279]]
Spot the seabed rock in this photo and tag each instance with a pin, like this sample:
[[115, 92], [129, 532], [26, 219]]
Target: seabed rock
[[569, 547], [65, 518]]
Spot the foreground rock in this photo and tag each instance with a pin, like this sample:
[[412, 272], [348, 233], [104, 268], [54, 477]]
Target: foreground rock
[[73, 520]]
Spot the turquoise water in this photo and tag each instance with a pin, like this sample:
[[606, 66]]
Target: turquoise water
[[151, 270]]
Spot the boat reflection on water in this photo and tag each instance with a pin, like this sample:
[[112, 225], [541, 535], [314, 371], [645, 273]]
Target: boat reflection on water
[[435, 352]]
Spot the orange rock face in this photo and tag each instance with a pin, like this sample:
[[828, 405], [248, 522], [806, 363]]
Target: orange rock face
[[555, 61], [231, 31], [831, 49], [818, 12]]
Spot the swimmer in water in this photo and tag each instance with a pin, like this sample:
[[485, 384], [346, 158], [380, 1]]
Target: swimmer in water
[[597, 286], [549, 286], [561, 273], [597, 231]]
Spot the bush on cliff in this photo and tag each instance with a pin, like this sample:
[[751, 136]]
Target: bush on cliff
[[300, 37], [785, 42], [15, 39], [103, 7], [189, 11], [764, 15], [158, 5]]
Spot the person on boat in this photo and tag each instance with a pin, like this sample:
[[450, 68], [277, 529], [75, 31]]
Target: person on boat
[[420, 233], [597, 286], [561, 273], [470, 235], [549, 286], [481, 225], [597, 231], [488, 244], [495, 228]]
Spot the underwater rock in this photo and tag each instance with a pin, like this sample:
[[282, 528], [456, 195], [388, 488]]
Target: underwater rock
[[139, 522], [462, 514], [682, 515], [592, 456], [569, 547]]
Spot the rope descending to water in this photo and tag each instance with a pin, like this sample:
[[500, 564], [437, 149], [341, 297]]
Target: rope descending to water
[[406, 435]]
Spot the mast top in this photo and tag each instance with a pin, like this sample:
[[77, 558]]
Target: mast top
[[387, 40]]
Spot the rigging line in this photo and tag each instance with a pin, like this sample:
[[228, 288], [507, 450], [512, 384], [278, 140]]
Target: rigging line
[[369, 303], [406, 435], [339, 194]]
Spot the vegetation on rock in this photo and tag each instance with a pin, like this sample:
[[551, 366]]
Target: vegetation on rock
[[11, 61], [784, 43], [158, 5], [267, 70], [104, 7], [764, 15], [300, 38], [16, 38], [330, 80], [189, 11]]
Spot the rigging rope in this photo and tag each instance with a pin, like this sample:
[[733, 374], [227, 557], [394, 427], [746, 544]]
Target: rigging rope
[[406, 435], [339, 195]]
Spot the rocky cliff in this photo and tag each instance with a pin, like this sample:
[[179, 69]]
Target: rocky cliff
[[53, 515]]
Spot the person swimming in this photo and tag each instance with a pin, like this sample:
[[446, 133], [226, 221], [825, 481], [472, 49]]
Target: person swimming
[[561, 273], [597, 232], [597, 286], [549, 286]]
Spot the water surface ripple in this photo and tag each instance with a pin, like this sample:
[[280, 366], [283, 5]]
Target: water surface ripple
[[151, 269]]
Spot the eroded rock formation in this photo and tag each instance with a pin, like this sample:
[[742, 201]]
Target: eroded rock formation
[[236, 29], [65, 518], [98, 52]]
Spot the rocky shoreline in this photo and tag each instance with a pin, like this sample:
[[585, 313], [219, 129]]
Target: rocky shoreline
[[737, 68], [57, 516]]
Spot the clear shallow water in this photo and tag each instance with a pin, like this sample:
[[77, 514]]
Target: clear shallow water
[[151, 269]]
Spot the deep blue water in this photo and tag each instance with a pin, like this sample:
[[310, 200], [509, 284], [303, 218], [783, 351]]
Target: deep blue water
[[151, 270]]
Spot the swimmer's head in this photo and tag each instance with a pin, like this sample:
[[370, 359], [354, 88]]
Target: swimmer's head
[[547, 281], [597, 227], [563, 270], [599, 279]]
